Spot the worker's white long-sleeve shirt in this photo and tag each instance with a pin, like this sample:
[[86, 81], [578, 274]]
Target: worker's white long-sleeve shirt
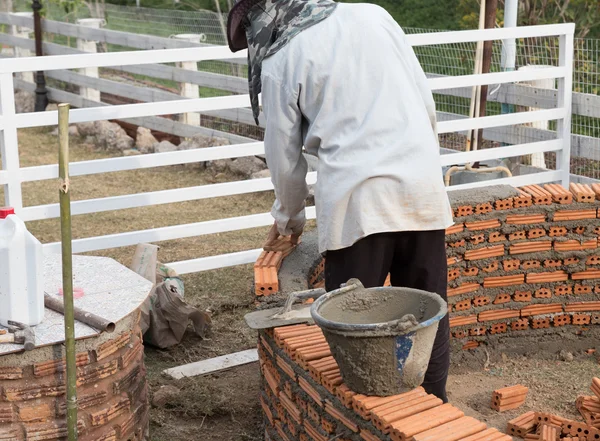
[[351, 90]]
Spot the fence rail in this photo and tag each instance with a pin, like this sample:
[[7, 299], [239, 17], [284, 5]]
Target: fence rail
[[12, 175]]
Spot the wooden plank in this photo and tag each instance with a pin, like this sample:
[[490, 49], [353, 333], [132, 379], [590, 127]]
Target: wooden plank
[[212, 365]]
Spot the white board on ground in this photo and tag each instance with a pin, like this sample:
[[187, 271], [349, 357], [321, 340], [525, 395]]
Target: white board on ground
[[212, 365]]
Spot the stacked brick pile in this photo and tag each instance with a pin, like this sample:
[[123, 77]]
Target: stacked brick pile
[[304, 399], [111, 388]]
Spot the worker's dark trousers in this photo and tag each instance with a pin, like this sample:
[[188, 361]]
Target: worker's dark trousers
[[414, 259]]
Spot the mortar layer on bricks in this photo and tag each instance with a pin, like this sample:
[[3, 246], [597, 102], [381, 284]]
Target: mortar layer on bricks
[[545, 280], [548, 285], [111, 376]]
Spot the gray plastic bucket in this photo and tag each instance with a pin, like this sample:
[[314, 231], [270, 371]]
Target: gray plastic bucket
[[378, 350]]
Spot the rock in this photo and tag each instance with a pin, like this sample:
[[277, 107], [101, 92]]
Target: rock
[[111, 136], [200, 141], [24, 101], [247, 166], [131, 152], [86, 129], [261, 174], [219, 165], [51, 107], [165, 395], [73, 131], [145, 140], [164, 147], [566, 356]]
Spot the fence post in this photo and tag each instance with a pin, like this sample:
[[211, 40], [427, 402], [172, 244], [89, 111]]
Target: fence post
[[22, 32], [565, 98], [89, 46], [9, 147], [189, 90]]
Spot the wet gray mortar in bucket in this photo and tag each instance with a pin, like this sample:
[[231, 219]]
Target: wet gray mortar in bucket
[[367, 359]]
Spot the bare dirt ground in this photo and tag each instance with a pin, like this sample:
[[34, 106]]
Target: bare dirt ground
[[224, 407]]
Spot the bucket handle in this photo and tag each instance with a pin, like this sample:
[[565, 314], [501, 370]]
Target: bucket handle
[[311, 294]]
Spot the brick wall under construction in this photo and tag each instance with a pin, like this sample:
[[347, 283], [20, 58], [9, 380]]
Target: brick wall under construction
[[520, 262]]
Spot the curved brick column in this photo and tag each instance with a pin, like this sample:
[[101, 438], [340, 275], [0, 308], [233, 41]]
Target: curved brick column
[[111, 389]]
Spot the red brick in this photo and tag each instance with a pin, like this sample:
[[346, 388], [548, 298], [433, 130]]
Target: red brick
[[522, 296], [464, 210], [531, 264], [462, 320], [110, 412], [553, 276], [496, 236], [575, 245], [498, 314], [10, 373], [526, 219], [484, 208], [580, 289], [465, 288], [112, 346], [58, 366], [476, 239], [542, 293], [502, 298], [552, 263], [481, 301], [539, 194], [503, 204], [561, 320], [543, 308], [586, 275], [37, 412], [540, 323], [563, 290], [493, 266], [485, 253], [470, 272], [498, 328], [477, 331], [517, 235], [557, 231], [453, 274], [519, 325], [511, 264], [462, 305], [500, 281], [570, 215], [531, 247], [93, 373], [581, 319]]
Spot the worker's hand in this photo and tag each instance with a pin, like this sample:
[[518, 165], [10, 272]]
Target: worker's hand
[[276, 242]]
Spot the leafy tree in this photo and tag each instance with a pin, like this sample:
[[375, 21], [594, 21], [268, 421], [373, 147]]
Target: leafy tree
[[433, 14], [584, 13]]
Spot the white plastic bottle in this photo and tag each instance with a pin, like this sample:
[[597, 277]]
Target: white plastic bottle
[[21, 272]]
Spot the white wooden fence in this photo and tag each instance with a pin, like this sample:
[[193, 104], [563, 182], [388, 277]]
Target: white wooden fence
[[12, 175]]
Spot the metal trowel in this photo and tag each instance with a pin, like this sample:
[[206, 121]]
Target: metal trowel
[[289, 314]]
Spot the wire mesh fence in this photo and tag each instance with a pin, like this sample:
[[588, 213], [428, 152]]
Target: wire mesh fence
[[443, 59]]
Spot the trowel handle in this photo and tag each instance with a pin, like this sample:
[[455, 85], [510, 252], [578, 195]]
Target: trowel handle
[[7, 338], [301, 295]]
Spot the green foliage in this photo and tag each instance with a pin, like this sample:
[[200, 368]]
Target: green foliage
[[584, 13], [435, 14]]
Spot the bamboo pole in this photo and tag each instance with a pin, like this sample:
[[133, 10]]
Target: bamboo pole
[[67, 268]]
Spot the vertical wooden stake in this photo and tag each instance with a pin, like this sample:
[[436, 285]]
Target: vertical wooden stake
[[67, 268]]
